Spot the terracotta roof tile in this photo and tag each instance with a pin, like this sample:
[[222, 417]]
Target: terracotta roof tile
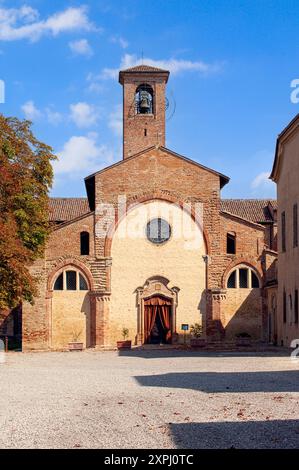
[[144, 68], [64, 209], [255, 210]]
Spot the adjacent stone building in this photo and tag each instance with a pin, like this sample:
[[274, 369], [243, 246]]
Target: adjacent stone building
[[153, 246], [285, 173]]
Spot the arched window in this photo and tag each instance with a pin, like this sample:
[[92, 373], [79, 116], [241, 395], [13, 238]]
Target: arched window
[[84, 243], [58, 285], [70, 280], [243, 277], [231, 243], [144, 99]]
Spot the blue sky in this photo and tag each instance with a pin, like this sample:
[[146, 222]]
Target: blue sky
[[231, 64]]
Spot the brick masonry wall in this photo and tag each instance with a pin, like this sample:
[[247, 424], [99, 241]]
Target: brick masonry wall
[[134, 125]]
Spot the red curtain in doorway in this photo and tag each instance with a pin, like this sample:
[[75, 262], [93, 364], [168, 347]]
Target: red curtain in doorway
[[152, 307]]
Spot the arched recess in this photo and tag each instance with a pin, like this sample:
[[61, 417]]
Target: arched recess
[[135, 259], [132, 203], [70, 310]]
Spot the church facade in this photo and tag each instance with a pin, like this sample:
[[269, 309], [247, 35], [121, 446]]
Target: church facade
[[153, 246]]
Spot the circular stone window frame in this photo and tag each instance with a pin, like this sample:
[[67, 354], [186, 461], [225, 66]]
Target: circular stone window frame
[[158, 243]]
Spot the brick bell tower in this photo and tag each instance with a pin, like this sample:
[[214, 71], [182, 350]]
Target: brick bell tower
[[143, 108]]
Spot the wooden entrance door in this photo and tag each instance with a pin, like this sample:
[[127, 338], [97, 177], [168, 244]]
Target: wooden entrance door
[[157, 320]]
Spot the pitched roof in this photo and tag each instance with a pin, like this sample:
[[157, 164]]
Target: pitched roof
[[63, 209], [254, 210], [142, 68], [288, 130]]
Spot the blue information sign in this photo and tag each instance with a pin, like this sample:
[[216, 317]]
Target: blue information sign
[[185, 327]]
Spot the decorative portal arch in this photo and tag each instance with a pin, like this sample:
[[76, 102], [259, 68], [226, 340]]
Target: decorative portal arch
[[155, 288]]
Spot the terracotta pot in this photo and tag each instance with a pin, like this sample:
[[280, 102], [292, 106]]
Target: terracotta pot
[[74, 346], [197, 342], [124, 344]]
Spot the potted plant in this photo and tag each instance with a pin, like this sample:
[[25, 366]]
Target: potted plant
[[196, 340], [75, 344], [125, 344], [243, 339]]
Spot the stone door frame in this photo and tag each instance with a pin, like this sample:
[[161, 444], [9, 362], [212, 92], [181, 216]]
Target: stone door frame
[[155, 286]]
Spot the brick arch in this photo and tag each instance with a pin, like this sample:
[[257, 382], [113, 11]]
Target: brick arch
[[60, 267], [249, 262], [136, 201]]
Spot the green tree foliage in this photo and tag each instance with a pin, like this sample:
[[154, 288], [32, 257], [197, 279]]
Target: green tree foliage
[[25, 179]]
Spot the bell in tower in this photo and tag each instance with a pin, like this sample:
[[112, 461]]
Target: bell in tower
[[144, 99]]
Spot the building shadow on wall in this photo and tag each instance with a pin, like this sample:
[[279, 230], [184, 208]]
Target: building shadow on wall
[[272, 434], [248, 317], [226, 382]]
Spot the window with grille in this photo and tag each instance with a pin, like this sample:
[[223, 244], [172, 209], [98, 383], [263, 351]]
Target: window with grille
[[59, 282], [254, 281], [82, 283], [84, 243], [243, 278], [231, 243], [231, 283], [283, 231], [71, 280]]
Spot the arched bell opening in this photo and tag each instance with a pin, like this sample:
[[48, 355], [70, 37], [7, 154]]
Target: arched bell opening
[[144, 99]]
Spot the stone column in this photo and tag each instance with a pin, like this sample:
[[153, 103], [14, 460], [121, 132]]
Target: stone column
[[100, 308], [214, 326]]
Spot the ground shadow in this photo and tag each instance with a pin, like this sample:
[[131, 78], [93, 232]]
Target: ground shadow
[[158, 353], [272, 434], [226, 382]]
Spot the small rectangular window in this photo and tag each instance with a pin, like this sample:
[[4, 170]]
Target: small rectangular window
[[71, 280], [283, 231], [295, 225], [243, 276], [84, 243], [231, 243], [296, 312]]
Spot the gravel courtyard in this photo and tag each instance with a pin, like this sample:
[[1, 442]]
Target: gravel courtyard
[[149, 399]]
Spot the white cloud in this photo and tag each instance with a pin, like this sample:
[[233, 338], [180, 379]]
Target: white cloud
[[30, 111], [81, 47], [84, 114], [54, 117], [24, 23], [82, 155], [115, 121], [123, 43], [175, 66], [262, 186]]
